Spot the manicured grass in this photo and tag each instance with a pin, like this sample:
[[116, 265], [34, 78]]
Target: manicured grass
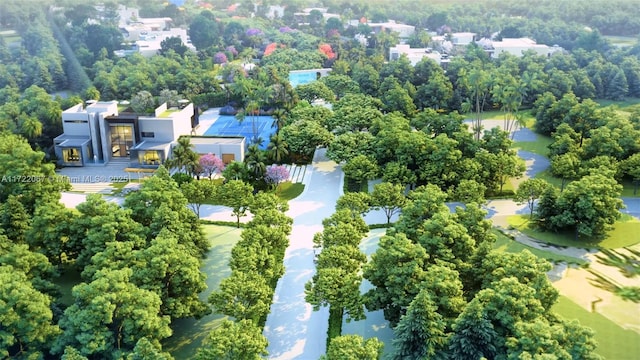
[[498, 115], [621, 104], [614, 342], [546, 175], [625, 233], [508, 190], [118, 186], [621, 40], [188, 334], [289, 190], [540, 146], [505, 243]]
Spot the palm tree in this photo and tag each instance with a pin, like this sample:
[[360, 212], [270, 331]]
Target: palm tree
[[277, 148], [279, 119], [183, 157], [255, 161], [30, 126]]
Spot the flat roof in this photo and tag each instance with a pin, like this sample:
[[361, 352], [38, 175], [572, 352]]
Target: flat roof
[[72, 141], [152, 145], [205, 140], [169, 112]]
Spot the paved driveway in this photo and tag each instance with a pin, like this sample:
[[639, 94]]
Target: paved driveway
[[293, 329]]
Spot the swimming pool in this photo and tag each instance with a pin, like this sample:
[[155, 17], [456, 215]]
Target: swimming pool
[[228, 125], [302, 77]]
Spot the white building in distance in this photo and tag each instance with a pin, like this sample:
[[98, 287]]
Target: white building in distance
[[404, 31], [517, 46], [414, 54]]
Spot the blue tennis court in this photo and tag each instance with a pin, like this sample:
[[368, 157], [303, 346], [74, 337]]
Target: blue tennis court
[[251, 126]]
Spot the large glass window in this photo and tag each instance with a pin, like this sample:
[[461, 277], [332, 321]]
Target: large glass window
[[121, 140], [149, 157], [71, 155]]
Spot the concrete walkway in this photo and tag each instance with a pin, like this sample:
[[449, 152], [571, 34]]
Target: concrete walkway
[[293, 329]]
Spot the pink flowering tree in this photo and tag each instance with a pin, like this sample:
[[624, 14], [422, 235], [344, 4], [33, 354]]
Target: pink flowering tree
[[220, 58], [275, 175], [210, 164], [231, 50]]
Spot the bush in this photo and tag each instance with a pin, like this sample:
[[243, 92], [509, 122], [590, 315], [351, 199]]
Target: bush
[[181, 178], [211, 99]]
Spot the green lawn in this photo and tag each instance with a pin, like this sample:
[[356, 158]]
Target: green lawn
[[289, 190], [505, 243], [540, 146], [625, 233], [188, 334], [622, 105], [621, 40], [614, 342]]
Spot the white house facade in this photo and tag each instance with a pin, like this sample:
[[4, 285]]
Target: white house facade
[[414, 55], [99, 133], [517, 47]]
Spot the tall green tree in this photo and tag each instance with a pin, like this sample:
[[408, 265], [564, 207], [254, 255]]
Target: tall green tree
[[147, 350], [348, 145], [529, 191], [50, 230], [590, 205], [303, 136], [337, 282], [203, 30], [18, 164], [396, 270], [99, 223], [424, 202], [237, 195], [199, 192], [420, 334], [356, 202], [167, 268], [353, 347], [234, 340], [26, 320], [388, 197], [160, 205], [243, 296], [109, 316], [566, 167], [360, 168], [477, 83], [14, 219], [277, 149]]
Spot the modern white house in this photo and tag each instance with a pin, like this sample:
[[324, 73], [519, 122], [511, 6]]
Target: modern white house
[[404, 31], [517, 46], [148, 42], [414, 54], [99, 133], [456, 39]]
